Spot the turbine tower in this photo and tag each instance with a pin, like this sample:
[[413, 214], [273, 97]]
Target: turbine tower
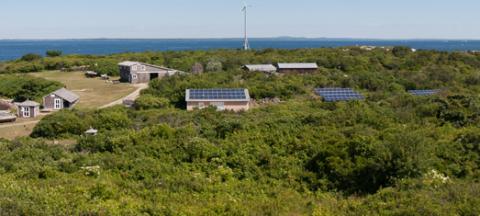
[[246, 45]]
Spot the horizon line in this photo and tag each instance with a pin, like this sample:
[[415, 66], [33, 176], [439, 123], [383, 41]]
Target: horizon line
[[254, 38]]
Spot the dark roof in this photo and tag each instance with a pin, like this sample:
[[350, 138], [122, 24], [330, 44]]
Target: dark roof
[[217, 95], [338, 94], [66, 95], [28, 103]]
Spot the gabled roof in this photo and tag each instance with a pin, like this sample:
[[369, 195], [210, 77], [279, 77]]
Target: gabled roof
[[217, 95], [28, 103], [66, 95], [297, 65], [128, 63], [261, 67], [133, 63]]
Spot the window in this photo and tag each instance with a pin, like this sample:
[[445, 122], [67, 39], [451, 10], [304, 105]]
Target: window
[[57, 103], [134, 76], [26, 112], [144, 68], [134, 67], [220, 106]]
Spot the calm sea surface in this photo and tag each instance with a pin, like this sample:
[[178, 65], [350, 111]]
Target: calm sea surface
[[13, 49]]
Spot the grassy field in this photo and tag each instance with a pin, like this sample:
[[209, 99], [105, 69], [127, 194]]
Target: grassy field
[[94, 93], [19, 128]]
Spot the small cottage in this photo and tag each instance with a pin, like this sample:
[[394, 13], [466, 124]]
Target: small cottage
[[28, 109], [137, 72], [60, 99], [266, 68], [223, 99], [296, 67], [6, 104]]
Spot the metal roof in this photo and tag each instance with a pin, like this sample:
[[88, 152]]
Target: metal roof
[[66, 95], [28, 103], [261, 67], [217, 95], [297, 65], [6, 116]]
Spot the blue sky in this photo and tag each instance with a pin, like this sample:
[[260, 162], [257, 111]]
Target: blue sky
[[393, 19]]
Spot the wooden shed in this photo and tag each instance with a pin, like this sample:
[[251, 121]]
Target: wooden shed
[[28, 109], [60, 99]]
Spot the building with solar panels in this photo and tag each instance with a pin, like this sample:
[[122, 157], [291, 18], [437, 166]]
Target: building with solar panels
[[223, 99], [338, 94]]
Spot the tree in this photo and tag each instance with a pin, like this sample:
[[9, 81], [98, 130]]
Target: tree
[[197, 68], [401, 51], [54, 53], [214, 65], [31, 57]]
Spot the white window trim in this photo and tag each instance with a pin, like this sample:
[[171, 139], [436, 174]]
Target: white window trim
[[26, 112], [57, 101]]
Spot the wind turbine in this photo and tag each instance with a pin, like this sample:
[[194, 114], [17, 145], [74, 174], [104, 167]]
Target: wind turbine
[[246, 45]]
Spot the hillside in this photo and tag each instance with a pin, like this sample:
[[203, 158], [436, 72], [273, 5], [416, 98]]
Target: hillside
[[390, 154]]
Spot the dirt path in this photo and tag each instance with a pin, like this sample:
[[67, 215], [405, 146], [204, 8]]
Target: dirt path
[[133, 96], [19, 124]]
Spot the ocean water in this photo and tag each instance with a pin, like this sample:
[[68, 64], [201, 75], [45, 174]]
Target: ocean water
[[14, 49]]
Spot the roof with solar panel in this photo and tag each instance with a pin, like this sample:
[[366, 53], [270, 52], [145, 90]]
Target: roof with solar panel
[[338, 94], [425, 92], [217, 95]]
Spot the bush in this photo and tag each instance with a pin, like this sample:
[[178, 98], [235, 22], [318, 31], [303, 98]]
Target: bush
[[31, 57], [61, 124], [53, 53], [148, 101]]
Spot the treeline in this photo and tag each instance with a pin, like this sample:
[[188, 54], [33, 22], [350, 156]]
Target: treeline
[[391, 154], [443, 65]]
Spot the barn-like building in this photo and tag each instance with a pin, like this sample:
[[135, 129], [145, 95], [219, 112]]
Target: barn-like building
[[137, 72]]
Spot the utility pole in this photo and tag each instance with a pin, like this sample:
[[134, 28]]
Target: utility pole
[[246, 45]]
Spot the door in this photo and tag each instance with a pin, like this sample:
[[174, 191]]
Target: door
[[57, 103], [26, 112]]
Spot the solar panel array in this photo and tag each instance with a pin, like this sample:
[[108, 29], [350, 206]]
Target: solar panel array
[[338, 94], [217, 94], [424, 92]]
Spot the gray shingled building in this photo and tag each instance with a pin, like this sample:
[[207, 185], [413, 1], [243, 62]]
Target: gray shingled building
[[60, 99], [137, 72]]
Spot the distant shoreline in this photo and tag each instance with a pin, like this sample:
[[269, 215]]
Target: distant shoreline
[[253, 38], [14, 49]]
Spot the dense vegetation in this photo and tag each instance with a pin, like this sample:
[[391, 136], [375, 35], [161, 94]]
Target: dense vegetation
[[23, 87], [392, 154]]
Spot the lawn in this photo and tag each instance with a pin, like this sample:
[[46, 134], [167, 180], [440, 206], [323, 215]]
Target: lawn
[[93, 92]]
